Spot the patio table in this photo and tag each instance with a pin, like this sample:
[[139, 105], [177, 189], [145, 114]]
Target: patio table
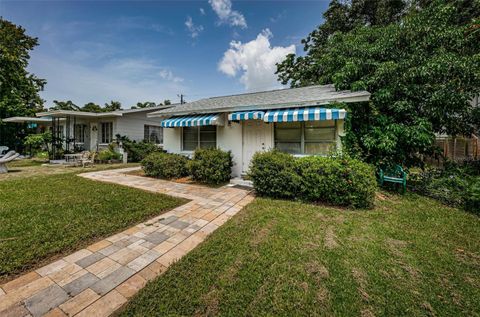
[[73, 159]]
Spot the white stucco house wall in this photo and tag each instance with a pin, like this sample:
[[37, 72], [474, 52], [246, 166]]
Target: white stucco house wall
[[300, 121]]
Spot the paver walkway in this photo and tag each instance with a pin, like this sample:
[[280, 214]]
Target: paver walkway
[[99, 279]]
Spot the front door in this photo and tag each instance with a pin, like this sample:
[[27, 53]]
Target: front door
[[253, 140]]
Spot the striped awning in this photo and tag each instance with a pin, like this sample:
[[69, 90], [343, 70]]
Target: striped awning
[[246, 115], [304, 114], [191, 121]]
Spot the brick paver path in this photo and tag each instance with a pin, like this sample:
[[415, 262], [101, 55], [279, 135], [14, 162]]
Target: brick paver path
[[98, 280]]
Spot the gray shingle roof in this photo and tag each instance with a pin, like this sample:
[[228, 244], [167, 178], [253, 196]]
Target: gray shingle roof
[[282, 98]]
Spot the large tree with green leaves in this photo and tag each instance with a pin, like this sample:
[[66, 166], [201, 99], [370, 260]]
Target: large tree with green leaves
[[91, 107], [113, 106], [64, 105], [423, 71], [19, 89]]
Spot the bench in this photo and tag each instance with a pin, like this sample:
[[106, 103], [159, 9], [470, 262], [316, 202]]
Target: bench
[[394, 175]]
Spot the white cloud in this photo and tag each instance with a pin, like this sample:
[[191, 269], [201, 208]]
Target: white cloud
[[202, 11], [255, 61], [223, 8], [168, 75], [192, 28]]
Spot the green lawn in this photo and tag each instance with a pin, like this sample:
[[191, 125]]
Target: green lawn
[[45, 215], [410, 256]]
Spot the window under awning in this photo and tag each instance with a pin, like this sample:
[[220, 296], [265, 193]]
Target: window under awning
[[304, 114], [192, 121], [246, 115]]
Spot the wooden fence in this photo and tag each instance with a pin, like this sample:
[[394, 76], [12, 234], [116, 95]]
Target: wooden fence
[[457, 149]]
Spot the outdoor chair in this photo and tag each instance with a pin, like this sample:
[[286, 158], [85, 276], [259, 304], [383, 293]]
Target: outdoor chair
[[3, 150], [10, 156], [395, 175], [88, 159]]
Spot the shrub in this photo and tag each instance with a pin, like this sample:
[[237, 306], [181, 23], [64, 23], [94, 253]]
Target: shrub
[[455, 185], [137, 151], [273, 174], [38, 142], [211, 166], [340, 181], [472, 197], [165, 165], [108, 154]]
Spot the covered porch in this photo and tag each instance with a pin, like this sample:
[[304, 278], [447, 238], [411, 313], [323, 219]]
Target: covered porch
[[75, 131]]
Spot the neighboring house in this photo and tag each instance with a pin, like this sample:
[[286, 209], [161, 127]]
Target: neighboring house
[[33, 123], [296, 120], [94, 131]]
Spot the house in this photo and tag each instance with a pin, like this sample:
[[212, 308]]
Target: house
[[92, 131], [300, 121]]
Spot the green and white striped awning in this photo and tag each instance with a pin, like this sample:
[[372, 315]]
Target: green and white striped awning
[[191, 121], [246, 115], [304, 114]]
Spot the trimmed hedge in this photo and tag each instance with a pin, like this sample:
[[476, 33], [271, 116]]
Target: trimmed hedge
[[165, 165], [273, 175], [339, 181], [211, 166]]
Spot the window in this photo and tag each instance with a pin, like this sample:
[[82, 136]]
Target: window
[[107, 131], [80, 131], [153, 134], [311, 137], [199, 137]]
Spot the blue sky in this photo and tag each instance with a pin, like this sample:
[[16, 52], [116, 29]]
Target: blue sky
[[150, 51]]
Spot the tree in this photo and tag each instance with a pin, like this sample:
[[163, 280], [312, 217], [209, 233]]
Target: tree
[[146, 104], [91, 107], [19, 89], [343, 17], [167, 102], [65, 105], [422, 73], [112, 106]]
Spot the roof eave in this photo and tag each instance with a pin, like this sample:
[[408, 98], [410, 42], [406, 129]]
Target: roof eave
[[84, 114]]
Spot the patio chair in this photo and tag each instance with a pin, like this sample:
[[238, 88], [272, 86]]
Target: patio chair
[[10, 156], [3, 150], [88, 159]]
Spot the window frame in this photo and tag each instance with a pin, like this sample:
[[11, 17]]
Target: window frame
[[146, 127], [83, 130], [302, 136], [198, 138], [103, 141]]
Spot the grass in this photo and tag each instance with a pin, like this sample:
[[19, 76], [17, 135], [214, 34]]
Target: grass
[[28, 168], [25, 163], [47, 215], [410, 256]]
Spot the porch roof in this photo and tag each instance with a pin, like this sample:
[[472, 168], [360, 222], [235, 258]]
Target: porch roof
[[109, 114], [27, 119], [78, 114], [267, 100]]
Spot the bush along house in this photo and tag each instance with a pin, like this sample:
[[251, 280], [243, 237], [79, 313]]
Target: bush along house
[[299, 121]]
